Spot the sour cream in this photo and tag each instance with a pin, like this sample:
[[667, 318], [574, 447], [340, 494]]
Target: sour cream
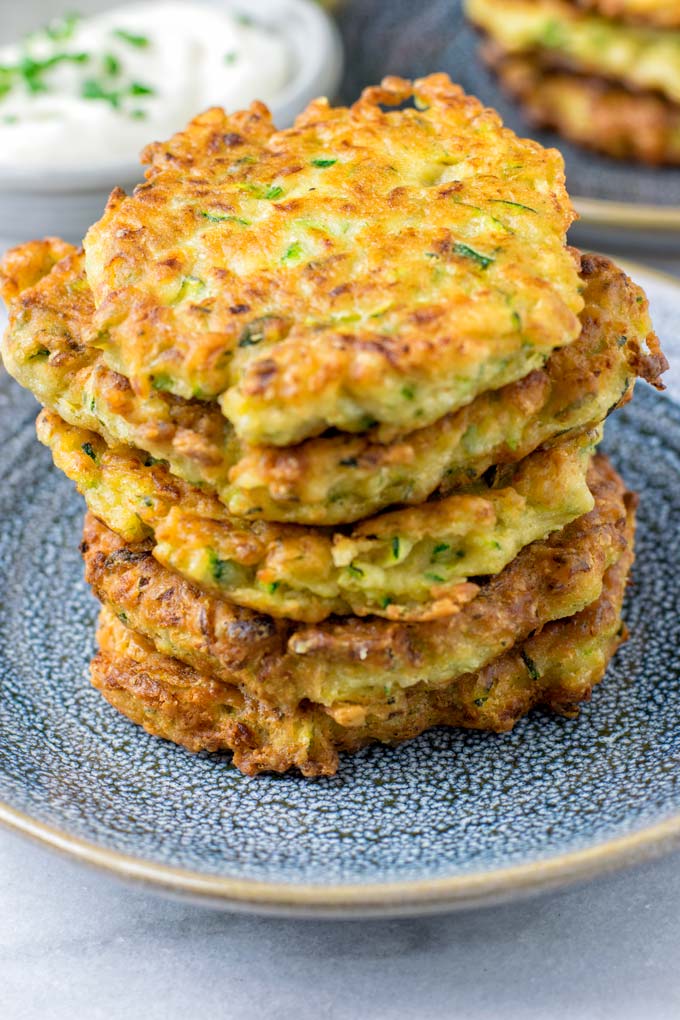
[[93, 91]]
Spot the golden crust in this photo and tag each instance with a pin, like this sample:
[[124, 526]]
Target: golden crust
[[367, 660], [592, 112], [658, 13], [338, 478], [411, 564], [362, 266], [556, 668]]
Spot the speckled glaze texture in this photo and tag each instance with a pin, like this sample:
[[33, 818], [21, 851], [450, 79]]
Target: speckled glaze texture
[[413, 39], [447, 803]]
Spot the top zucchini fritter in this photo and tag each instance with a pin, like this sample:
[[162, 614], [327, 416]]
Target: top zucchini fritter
[[643, 58], [361, 267]]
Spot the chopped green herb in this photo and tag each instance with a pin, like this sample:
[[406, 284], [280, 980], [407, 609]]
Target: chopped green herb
[[274, 192], [138, 89], [387, 601], [323, 163], [225, 572], [111, 64], [355, 571], [122, 616], [218, 218], [93, 89], [434, 577], [441, 547], [517, 205], [293, 252], [89, 450], [139, 41], [161, 381], [408, 392], [396, 545], [530, 665], [516, 320], [469, 253], [41, 352], [272, 586]]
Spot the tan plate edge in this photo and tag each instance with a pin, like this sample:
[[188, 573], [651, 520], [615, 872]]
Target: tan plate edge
[[627, 214], [355, 900]]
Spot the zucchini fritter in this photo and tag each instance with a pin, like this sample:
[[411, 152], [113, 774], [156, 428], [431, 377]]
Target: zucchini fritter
[[336, 478], [646, 59], [662, 13], [592, 112], [368, 661], [411, 564], [362, 267], [557, 667]]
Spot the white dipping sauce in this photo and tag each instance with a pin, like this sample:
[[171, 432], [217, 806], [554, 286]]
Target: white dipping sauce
[[95, 90]]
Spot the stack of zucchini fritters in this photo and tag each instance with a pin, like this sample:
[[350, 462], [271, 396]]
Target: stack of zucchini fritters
[[605, 73], [332, 396]]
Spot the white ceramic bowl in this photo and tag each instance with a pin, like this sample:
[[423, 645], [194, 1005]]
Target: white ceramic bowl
[[39, 202]]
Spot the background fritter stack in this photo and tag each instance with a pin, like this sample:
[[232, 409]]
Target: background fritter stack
[[604, 73], [332, 397]]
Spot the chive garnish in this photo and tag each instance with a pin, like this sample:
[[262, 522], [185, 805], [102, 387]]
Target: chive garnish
[[293, 252], [323, 163], [89, 450], [469, 253], [140, 41], [395, 547]]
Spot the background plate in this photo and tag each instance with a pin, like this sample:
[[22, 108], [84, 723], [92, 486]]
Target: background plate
[[619, 202], [449, 819]]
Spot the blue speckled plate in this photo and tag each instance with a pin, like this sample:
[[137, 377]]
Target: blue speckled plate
[[449, 819], [618, 201]]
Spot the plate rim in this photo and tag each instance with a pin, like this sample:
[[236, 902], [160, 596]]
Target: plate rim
[[604, 212], [371, 899]]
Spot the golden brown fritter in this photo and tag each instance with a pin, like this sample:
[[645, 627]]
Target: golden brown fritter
[[335, 478], [592, 112], [644, 59], [364, 266], [557, 667], [368, 661], [411, 564], [661, 13]]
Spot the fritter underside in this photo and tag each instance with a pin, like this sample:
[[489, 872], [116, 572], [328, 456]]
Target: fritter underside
[[335, 478], [563, 37], [369, 661], [591, 111], [412, 564], [342, 273], [556, 667]]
